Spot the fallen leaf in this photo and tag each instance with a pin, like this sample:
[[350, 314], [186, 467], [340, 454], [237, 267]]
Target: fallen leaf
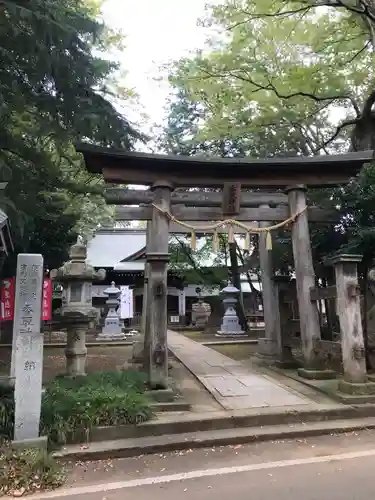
[[18, 493]]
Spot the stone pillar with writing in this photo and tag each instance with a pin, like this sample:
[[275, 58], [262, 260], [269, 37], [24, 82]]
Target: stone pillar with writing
[[76, 277], [28, 355]]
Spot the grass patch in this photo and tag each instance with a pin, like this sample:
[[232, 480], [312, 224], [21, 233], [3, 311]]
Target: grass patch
[[28, 471], [238, 352], [194, 334], [72, 407]]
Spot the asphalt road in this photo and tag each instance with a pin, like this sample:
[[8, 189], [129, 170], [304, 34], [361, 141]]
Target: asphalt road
[[327, 468]]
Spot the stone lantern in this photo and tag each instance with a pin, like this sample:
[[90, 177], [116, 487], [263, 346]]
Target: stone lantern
[[112, 325], [200, 311], [76, 277], [230, 324]]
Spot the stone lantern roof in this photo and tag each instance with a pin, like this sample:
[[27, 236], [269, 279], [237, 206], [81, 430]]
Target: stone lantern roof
[[77, 269]]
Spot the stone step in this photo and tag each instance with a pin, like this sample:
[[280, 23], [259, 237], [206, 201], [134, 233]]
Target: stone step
[[187, 422], [131, 447]]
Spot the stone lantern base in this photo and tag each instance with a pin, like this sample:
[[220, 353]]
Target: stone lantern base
[[111, 337]]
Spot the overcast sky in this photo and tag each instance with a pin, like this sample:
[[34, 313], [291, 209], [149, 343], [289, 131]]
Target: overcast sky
[[157, 31]]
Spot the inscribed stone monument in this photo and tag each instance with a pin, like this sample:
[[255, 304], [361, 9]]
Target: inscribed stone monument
[[28, 356]]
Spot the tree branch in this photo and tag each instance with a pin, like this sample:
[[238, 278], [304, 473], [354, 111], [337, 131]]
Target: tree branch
[[271, 87], [280, 13], [363, 9], [343, 125]]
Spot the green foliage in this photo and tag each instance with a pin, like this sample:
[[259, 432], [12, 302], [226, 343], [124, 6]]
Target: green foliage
[[56, 88], [283, 79], [198, 266], [29, 471], [6, 412], [298, 75], [74, 406]]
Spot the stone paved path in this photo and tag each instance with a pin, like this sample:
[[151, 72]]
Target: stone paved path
[[231, 383]]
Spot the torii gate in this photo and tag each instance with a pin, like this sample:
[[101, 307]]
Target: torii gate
[[165, 173]]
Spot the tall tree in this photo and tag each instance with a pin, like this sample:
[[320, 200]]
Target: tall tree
[[294, 66], [54, 90]]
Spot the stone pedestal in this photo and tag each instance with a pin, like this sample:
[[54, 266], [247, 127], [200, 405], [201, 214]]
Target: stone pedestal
[[76, 350], [230, 325]]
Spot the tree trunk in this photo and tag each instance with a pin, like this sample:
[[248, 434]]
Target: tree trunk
[[236, 280]]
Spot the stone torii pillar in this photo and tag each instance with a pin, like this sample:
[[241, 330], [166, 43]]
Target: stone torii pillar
[[145, 286], [156, 346], [305, 280], [268, 346]]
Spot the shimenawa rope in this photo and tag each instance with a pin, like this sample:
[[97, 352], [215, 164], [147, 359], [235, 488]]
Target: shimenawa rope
[[231, 223]]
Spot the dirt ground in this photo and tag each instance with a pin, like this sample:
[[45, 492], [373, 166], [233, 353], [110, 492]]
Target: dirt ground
[[101, 358], [238, 352]]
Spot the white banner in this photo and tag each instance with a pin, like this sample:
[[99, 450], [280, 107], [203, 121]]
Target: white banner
[[126, 303]]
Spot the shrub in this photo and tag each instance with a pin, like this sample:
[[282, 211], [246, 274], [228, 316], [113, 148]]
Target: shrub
[[6, 412], [28, 471], [73, 406]]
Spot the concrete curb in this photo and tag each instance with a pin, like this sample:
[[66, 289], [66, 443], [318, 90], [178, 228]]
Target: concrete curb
[[160, 444], [189, 422]]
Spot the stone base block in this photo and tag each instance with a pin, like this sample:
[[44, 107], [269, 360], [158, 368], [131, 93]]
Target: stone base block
[[354, 399], [131, 333], [39, 443], [358, 389], [111, 336], [312, 374], [222, 333]]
